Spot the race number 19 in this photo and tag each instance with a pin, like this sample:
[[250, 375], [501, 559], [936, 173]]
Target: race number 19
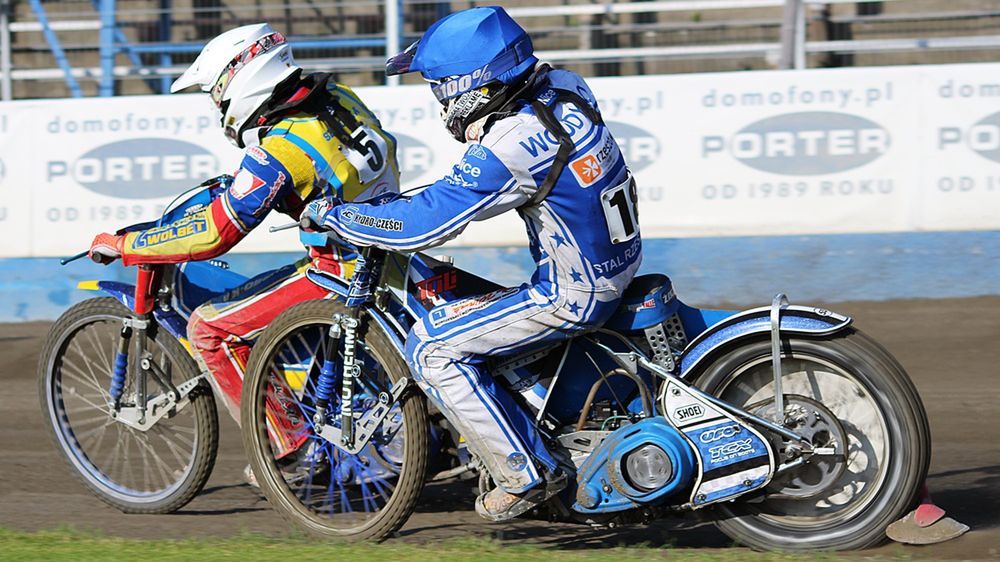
[[620, 204]]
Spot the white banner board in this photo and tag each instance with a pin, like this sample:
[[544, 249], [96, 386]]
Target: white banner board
[[755, 153]]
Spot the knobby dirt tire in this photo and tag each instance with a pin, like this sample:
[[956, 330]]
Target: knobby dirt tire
[[183, 367]]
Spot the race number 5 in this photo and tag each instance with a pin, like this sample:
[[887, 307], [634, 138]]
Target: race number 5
[[621, 211], [369, 160]]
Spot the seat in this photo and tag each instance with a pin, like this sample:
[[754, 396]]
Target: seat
[[648, 300]]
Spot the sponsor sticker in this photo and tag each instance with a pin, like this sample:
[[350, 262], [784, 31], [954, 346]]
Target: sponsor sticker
[[430, 288], [587, 170], [477, 151], [592, 166], [689, 412], [188, 226], [244, 184], [465, 307], [265, 205], [258, 155], [732, 450], [716, 433]]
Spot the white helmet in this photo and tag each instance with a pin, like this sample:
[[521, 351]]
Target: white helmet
[[240, 68]]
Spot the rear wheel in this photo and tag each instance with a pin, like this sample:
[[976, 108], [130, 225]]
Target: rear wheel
[[847, 392], [314, 484], [154, 471]]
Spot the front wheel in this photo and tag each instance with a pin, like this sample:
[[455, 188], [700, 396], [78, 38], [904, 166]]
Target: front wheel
[[310, 481], [154, 471], [844, 391]]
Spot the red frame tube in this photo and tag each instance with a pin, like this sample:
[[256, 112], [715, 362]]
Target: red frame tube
[[146, 287]]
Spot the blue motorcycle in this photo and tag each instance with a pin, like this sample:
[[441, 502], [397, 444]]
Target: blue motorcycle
[[125, 402], [784, 424]]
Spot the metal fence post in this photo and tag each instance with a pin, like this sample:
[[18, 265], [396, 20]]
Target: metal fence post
[[393, 26], [107, 86], [5, 62], [793, 35]]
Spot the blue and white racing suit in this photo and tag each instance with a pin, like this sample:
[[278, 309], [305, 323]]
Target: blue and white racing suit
[[584, 238]]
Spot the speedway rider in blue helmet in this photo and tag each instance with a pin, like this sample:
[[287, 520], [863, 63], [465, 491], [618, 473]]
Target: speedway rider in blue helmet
[[537, 144]]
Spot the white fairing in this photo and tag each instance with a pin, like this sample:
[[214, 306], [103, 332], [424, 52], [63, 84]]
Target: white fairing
[[252, 84]]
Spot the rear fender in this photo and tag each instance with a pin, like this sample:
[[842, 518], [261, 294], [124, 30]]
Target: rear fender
[[124, 293], [800, 320]]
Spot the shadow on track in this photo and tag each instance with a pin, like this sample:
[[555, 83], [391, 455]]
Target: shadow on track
[[977, 502]]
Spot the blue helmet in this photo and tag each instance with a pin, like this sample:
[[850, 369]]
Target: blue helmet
[[469, 57]]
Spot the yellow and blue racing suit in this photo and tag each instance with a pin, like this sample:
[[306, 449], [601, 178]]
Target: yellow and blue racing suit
[[297, 161]]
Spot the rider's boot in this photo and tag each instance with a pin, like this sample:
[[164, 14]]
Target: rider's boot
[[500, 505]]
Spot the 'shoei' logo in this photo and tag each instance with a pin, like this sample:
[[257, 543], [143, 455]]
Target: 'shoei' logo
[[809, 143], [138, 168], [693, 411], [415, 158], [640, 147], [983, 137]]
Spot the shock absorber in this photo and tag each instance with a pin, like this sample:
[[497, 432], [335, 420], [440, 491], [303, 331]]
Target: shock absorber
[[120, 367], [327, 376]]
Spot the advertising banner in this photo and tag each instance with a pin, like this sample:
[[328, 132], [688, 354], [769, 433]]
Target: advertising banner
[[755, 153]]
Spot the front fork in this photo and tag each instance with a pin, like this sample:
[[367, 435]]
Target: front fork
[[133, 339], [346, 327], [353, 434]]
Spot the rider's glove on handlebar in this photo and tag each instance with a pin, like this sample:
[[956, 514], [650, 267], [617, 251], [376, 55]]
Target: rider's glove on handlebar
[[106, 248], [318, 210]]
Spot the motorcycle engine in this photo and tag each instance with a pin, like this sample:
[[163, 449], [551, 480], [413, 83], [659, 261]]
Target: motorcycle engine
[[638, 464]]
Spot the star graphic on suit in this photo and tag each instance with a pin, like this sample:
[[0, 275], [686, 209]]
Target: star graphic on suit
[[574, 308], [559, 240], [576, 275]]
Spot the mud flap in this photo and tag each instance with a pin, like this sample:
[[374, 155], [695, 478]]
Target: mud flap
[[733, 458]]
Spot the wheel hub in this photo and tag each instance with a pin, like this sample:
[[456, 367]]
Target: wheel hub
[[821, 428]]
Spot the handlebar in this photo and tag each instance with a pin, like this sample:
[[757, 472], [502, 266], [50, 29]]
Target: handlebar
[[283, 227], [304, 223], [73, 258]]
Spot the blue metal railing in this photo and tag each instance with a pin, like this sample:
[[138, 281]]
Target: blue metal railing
[[56, 47], [113, 41]]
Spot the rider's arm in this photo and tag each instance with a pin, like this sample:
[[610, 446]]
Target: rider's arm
[[266, 175], [479, 187]]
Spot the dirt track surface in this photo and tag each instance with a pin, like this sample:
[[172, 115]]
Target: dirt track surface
[[951, 348]]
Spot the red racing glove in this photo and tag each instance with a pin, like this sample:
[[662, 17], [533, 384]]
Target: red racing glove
[[106, 248]]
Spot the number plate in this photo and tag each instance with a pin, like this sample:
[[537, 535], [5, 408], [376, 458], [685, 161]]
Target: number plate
[[621, 211]]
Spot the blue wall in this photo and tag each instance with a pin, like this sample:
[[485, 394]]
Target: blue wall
[[739, 271]]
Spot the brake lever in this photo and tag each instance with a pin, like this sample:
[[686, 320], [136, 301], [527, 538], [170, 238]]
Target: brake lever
[[73, 258]]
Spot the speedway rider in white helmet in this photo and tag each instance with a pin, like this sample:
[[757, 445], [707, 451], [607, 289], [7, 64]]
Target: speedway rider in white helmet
[[305, 137], [537, 144]]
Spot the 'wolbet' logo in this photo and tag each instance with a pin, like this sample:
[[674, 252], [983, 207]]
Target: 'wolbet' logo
[[139, 168], [640, 147], [810, 143]]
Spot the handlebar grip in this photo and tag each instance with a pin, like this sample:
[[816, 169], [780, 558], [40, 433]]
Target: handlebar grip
[[307, 223]]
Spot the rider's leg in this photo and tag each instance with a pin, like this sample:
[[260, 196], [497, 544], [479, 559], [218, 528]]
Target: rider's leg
[[222, 330], [446, 352]]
